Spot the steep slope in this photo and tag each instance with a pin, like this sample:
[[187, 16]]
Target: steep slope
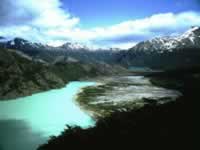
[[166, 52], [20, 75]]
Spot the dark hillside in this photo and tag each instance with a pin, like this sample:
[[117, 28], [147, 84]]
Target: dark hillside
[[20, 75], [170, 126]]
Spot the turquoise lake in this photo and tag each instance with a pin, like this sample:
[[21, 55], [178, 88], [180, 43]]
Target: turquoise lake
[[28, 122]]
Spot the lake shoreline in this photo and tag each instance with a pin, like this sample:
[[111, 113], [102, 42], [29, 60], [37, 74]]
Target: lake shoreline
[[14, 95], [35, 114], [100, 79], [168, 126]]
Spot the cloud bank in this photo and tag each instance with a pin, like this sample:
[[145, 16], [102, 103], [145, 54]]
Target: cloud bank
[[47, 22]]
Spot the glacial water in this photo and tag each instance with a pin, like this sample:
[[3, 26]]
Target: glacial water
[[28, 122]]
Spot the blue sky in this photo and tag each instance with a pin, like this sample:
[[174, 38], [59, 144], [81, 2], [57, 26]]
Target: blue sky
[[108, 12], [97, 23]]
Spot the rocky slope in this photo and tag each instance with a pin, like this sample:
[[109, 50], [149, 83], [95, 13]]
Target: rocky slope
[[21, 75]]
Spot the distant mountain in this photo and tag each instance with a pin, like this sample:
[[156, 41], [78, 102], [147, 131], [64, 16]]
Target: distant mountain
[[160, 53], [166, 52], [74, 51], [190, 39], [23, 45], [74, 46]]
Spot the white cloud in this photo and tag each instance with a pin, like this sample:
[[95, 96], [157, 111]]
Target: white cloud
[[156, 25], [125, 45], [45, 16], [52, 16], [147, 26], [49, 23]]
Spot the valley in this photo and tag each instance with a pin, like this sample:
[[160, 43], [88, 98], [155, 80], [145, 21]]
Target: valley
[[81, 103], [168, 126], [99, 74], [95, 91], [21, 75]]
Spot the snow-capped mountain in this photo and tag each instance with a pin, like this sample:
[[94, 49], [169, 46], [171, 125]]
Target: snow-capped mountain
[[19, 43], [189, 39], [163, 52], [74, 46], [166, 52], [75, 51]]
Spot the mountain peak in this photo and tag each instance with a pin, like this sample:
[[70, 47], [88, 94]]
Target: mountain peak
[[17, 41], [193, 31], [189, 39], [74, 46], [194, 28]]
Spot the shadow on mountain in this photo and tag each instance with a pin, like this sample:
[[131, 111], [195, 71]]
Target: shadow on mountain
[[17, 135]]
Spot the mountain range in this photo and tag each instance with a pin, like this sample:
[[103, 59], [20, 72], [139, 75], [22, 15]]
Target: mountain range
[[166, 52], [49, 54], [161, 52]]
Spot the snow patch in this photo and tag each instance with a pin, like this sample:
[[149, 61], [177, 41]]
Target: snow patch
[[192, 39], [12, 43]]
